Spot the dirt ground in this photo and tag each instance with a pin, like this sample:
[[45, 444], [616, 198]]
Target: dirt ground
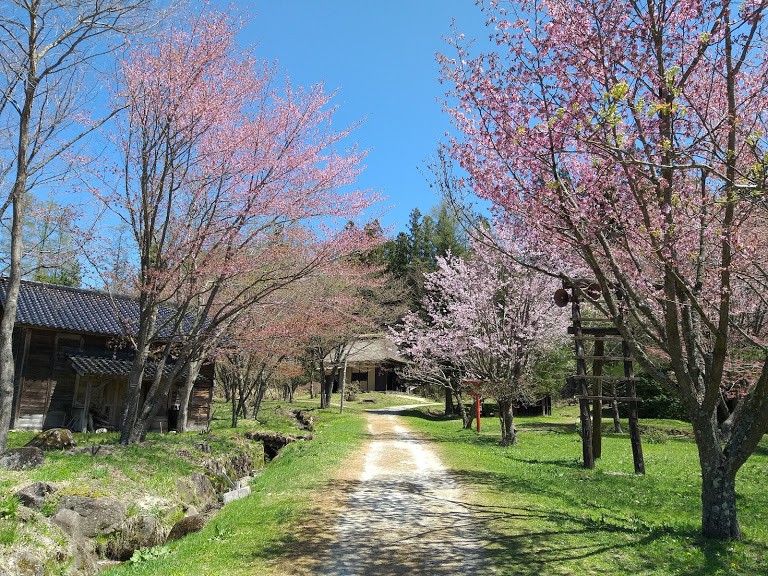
[[392, 510]]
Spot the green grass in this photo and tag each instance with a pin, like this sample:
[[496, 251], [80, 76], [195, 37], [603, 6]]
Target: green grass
[[247, 535], [544, 514]]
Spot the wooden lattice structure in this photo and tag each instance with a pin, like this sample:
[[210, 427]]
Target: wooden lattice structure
[[599, 346]]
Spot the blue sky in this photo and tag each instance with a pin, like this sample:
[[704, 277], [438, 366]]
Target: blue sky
[[380, 57]]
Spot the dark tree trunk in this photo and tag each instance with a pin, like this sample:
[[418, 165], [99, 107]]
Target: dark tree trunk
[[466, 417], [718, 484], [326, 385], [235, 408], [507, 419], [260, 392], [718, 502], [449, 410]]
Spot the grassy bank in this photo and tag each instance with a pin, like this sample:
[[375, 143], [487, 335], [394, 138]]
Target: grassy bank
[[248, 535], [545, 514]]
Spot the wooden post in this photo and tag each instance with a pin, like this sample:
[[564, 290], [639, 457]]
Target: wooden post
[[634, 427], [581, 372], [477, 411], [597, 403]]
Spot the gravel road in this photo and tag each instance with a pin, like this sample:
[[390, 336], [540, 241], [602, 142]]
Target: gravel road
[[404, 514]]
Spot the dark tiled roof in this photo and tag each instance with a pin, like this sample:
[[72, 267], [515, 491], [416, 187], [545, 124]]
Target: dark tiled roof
[[73, 309], [84, 311], [101, 366], [110, 366]]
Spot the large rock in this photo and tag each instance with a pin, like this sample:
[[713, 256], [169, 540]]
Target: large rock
[[197, 491], [34, 495], [21, 458], [98, 516], [137, 532], [24, 563], [69, 521], [187, 525], [53, 439]]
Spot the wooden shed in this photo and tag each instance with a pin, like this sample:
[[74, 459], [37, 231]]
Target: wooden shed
[[71, 355]]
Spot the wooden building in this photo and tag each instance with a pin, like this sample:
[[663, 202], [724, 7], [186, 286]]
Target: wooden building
[[72, 360], [371, 361]]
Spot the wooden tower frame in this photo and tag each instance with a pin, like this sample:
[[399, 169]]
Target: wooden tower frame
[[599, 330]]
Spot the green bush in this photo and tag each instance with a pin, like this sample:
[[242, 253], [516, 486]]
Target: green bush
[[656, 402]]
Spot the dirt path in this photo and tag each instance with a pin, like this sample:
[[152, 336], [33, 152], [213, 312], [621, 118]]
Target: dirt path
[[400, 513]]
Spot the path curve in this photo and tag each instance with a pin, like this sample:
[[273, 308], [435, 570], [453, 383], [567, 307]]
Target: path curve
[[405, 515]]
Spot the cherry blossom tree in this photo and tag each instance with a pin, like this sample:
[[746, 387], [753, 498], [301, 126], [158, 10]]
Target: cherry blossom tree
[[234, 185], [256, 346], [630, 138], [485, 318]]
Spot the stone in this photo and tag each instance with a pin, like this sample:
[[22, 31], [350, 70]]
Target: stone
[[137, 532], [197, 491], [69, 521], [98, 516], [34, 495], [21, 458], [187, 525], [83, 554], [25, 563], [53, 439], [24, 514], [233, 495]]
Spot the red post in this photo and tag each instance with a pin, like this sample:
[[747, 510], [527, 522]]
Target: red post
[[477, 411]]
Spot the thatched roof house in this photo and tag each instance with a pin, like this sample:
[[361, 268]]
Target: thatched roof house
[[371, 361]]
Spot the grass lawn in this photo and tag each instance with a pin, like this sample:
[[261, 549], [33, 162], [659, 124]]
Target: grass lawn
[[544, 514]]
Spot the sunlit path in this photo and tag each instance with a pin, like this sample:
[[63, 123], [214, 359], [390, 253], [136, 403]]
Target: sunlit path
[[406, 515]]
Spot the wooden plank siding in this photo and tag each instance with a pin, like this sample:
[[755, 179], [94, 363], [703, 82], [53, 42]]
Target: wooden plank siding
[[58, 328]]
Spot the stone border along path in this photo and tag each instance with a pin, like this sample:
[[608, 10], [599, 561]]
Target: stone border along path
[[404, 513]]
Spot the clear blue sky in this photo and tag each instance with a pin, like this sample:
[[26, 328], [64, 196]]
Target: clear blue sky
[[380, 57]]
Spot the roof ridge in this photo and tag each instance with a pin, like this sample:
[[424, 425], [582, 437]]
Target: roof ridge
[[61, 287]]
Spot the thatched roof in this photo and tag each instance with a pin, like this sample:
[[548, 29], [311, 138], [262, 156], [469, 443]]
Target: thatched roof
[[373, 349]]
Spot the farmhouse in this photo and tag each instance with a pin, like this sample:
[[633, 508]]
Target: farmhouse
[[371, 361], [72, 359]]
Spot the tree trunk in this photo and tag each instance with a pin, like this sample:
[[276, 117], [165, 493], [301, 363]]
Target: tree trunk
[[718, 484], [615, 411], [186, 393], [466, 417], [234, 403], [343, 387], [326, 388], [147, 320], [7, 368], [449, 410], [718, 501], [262, 389], [507, 419]]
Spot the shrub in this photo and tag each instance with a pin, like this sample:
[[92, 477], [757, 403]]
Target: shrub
[[656, 401]]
